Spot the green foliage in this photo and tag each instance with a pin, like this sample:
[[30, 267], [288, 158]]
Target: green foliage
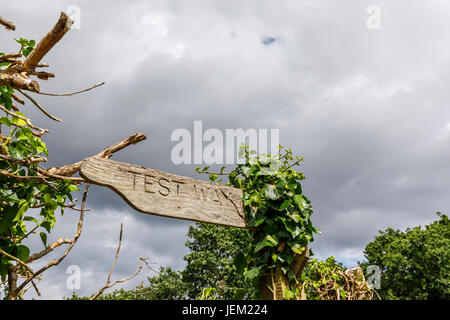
[[20, 190], [26, 46], [210, 261], [275, 207], [415, 263], [319, 273], [328, 280]]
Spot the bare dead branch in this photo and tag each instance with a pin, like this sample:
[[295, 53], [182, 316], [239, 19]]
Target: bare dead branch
[[32, 285], [49, 249], [39, 106], [117, 281], [48, 42], [55, 176], [69, 170], [71, 93], [108, 152], [99, 292], [41, 75], [18, 99], [7, 24], [108, 283]]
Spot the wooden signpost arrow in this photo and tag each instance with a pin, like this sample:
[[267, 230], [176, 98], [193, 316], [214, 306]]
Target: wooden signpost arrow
[[164, 194]]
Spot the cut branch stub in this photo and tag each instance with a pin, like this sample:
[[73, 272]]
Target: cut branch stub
[[48, 42], [164, 194]]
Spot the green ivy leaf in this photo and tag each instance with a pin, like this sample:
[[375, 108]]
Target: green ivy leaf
[[270, 192], [22, 253], [5, 121], [300, 201], [240, 262], [253, 273], [43, 236]]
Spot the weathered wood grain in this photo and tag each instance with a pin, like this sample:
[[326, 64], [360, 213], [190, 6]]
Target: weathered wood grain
[[164, 194]]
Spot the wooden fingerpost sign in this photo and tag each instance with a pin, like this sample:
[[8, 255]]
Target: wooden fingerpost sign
[[169, 195], [164, 194]]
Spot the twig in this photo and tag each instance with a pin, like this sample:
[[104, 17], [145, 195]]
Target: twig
[[117, 252], [7, 57], [49, 249], [108, 283], [99, 292], [10, 175], [7, 24], [23, 161], [39, 106], [72, 243], [138, 291], [33, 284], [35, 288], [118, 281], [71, 93], [27, 120]]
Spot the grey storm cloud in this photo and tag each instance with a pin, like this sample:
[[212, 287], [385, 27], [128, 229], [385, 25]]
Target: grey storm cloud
[[366, 108]]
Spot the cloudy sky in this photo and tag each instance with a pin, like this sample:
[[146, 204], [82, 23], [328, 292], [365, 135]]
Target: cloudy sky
[[367, 108]]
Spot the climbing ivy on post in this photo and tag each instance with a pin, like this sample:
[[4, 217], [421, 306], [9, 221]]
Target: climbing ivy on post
[[279, 215]]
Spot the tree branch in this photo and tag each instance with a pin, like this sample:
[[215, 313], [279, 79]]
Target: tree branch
[[7, 24], [39, 106], [27, 120], [49, 249], [18, 81], [108, 283], [71, 169], [17, 260], [71, 93], [72, 243], [48, 42], [99, 292]]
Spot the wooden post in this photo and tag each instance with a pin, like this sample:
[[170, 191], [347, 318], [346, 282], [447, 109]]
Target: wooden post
[[274, 283]]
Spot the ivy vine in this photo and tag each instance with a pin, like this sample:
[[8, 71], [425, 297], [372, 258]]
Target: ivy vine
[[276, 209]]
